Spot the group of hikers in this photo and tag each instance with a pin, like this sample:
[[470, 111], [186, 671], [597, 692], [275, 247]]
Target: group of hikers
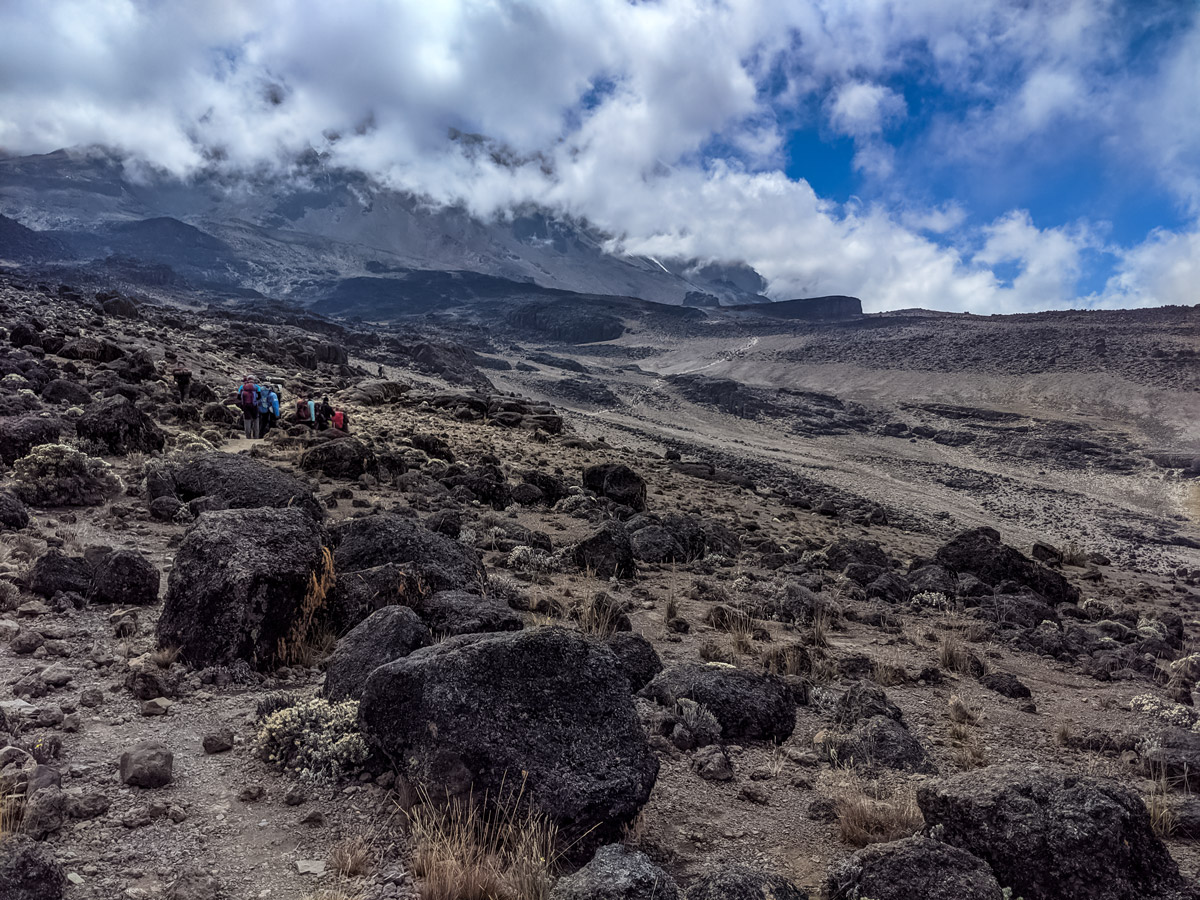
[[260, 410]]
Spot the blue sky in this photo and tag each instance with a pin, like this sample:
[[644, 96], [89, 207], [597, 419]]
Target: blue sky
[[988, 156]]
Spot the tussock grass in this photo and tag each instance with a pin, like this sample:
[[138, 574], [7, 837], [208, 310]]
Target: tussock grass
[[869, 813], [309, 640], [352, 856], [466, 850], [1163, 818], [888, 670], [961, 713]]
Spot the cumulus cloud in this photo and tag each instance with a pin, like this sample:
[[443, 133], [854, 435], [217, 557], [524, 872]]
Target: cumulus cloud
[[667, 124]]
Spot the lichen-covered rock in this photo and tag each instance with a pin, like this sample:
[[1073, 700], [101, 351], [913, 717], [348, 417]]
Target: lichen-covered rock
[[637, 657], [13, 513], [617, 873], [386, 635], [238, 585], [740, 882], [124, 577], [20, 434], [119, 427], [979, 552], [433, 561], [228, 481], [606, 552], [342, 457], [544, 711], [1052, 836], [915, 867], [618, 483], [28, 871], [748, 705]]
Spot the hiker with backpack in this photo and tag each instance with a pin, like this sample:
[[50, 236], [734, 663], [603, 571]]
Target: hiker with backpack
[[324, 414], [341, 421], [264, 410], [248, 400]]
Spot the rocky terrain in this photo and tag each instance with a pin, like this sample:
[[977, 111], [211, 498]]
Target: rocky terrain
[[706, 605]]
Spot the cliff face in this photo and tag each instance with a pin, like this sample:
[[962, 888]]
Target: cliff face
[[834, 307]]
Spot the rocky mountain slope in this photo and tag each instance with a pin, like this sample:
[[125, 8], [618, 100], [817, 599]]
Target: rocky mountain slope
[[314, 232], [685, 603]]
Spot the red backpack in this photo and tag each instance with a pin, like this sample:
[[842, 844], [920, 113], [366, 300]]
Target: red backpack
[[249, 396], [339, 420]]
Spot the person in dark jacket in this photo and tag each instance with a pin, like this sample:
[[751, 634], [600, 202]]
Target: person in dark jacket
[[324, 414], [248, 399]]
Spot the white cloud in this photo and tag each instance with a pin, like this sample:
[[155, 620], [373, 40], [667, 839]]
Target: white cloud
[[379, 83], [862, 110]]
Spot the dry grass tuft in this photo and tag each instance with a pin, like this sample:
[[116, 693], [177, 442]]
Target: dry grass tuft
[[11, 811], [164, 657], [889, 670], [598, 617], [309, 640], [822, 623], [960, 712], [868, 813], [465, 850], [352, 856], [1074, 555], [1163, 818], [1064, 734]]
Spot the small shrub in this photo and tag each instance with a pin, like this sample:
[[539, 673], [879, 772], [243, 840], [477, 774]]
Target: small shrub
[[699, 720], [530, 561], [163, 657], [1163, 818], [316, 739], [58, 475], [822, 622], [958, 659], [274, 702], [1063, 734], [598, 615]]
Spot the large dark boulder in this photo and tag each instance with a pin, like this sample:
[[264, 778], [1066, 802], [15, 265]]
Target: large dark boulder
[[545, 710], [29, 871], [864, 700], [356, 595], [13, 513], [874, 742], [551, 486], [72, 393], [979, 552], [433, 561], [238, 585], [655, 544], [339, 458], [637, 657], [617, 873], [1174, 753], [846, 551], [118, 428], [916, 867], [386, 635], [461, 612], [740, 882], [606, 552], [226, 481], [20, 434], [124, 577], [618, 483], [55, 571], [748, 705], [1052, 836]]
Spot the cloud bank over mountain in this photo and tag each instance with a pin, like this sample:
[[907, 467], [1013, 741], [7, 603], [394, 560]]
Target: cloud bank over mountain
[[991, 156]]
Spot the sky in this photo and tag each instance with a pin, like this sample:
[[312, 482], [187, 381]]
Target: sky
[[989, 156]]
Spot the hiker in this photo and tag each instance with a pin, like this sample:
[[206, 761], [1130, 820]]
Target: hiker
[[264, 410], [312, 414], [324, 414], [183, 381], [381, 370], [275, 394], [341, 421], [247, 396]]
